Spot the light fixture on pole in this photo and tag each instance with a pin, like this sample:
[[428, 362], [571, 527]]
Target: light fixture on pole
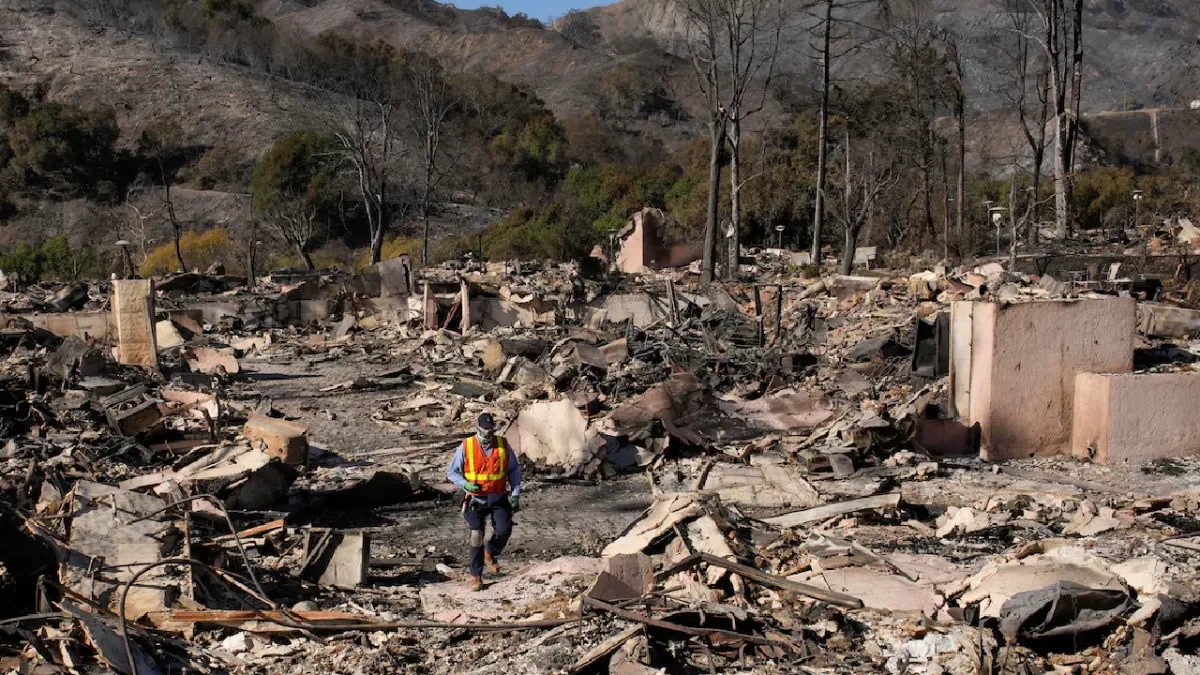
[[997, 214], [1138, 195], [128, 260], [779, 229]]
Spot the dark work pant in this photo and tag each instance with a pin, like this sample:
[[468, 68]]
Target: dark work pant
[[476, 516]]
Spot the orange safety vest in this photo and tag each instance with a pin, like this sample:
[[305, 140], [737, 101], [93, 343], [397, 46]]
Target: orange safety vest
[[489, 471]]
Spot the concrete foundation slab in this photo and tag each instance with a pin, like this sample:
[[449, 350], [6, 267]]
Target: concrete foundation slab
[[1136, 417], [1014, 367]]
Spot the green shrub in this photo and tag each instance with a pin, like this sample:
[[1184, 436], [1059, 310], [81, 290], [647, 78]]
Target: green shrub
[[221, 165], [55, 260], [64, 148]]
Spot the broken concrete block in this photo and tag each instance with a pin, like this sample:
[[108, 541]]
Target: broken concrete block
[[587, 355], [552, 433], [1014, 366], [608, 588], [669, 401], [344, 562], [616, 351], [287, 441], [133, 314], [71, 296], [1136, 417], [635, 570], [186, 325], [344, 326], [493, 357], [212, 361], [167, 336]]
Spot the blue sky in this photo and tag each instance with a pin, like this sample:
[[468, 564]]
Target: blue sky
[[538, 9]]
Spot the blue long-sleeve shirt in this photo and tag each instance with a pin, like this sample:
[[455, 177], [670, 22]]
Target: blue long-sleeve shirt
[[457, 464]]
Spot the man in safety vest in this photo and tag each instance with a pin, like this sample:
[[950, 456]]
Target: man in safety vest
[[485, 466]]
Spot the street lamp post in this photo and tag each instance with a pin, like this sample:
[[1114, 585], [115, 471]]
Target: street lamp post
[[128, 259], [1138, 195], [779, 229], [996, 213]]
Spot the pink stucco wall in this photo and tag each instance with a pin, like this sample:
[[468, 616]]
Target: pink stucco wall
[[1024, 361], [1136, 417]]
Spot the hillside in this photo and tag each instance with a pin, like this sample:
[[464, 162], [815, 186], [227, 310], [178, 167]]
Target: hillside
[[1147, 51], [567, 77], [142, 81], [1129, 46], [234, 74]]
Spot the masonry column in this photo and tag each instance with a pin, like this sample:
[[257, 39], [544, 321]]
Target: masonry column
[[133, 314]]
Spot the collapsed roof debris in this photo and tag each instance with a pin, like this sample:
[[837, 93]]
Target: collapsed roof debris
[[791, 475]]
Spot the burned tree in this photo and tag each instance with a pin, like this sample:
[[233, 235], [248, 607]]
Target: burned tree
[[733, 46], [433, 104], [702, 27], [368, 125], [828, 35], [1059, 33], [872, 167], [161, 142], [1028, 93]]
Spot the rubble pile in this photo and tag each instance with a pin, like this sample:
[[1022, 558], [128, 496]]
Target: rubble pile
[[774, 476]]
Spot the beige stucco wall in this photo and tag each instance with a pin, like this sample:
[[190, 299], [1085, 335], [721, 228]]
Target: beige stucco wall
[[1024, 361], [1134, 418]]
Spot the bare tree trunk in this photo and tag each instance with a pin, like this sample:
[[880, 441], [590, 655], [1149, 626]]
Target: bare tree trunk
[[1012, 221], [823, 141], [251, 251], [378, 221], [961, 205], [176, 228], [425, 223], [717, 135], [945, 208], [927, 168], [377, 235], [735, 196], [1062, 197], [306, 257], [850, 248]]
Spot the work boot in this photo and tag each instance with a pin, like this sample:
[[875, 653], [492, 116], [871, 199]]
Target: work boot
[[491, 563], [476, 584]]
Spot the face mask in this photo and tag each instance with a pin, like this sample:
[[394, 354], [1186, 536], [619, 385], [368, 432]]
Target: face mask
[[486, 434]]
